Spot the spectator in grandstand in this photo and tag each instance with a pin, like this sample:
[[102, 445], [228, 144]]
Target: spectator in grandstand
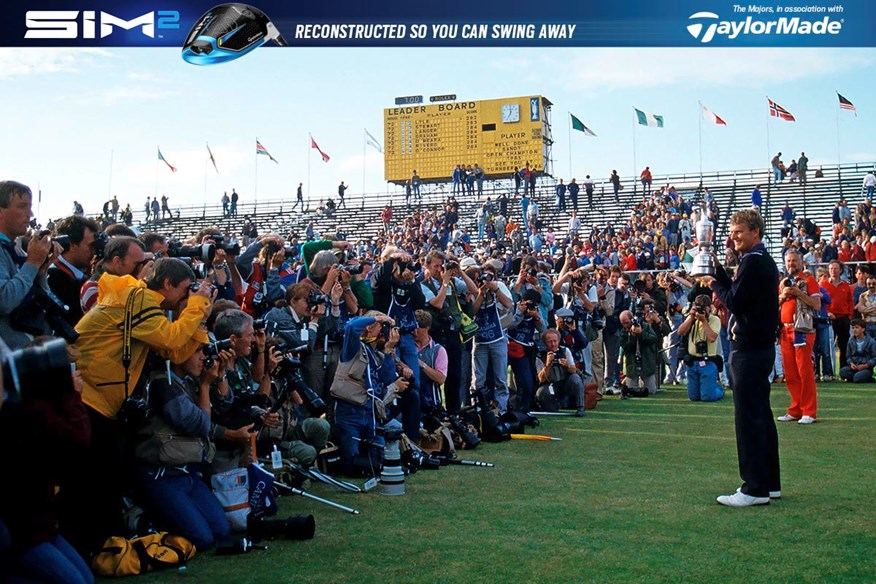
[[792, 171], [225, 202], [457, 179], [776, 165], [588, 190], [866, 305], [802, 167], [574, 225], [479, 177], [645, 177], [517, 177], [470, 179], [614, 179], [156, 208], [533, 177], [756, 198], [386, 217], [561, 196], [165, 207], [235, 198], [573, 189], [869, 185], [342, 189], [861, 352]]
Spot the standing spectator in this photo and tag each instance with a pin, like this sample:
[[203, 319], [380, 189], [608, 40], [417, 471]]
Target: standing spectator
[[776, 165], [802, 167], [615, 183], [861, 352], [479, 177], [299, 196], [386, 217], [870, 185], [645, 177], [561, 196], [756, 198], [824, 351], [114, 206], [524, 206], [147, 208], [588, 189], [469, 180], [573, 194], [165, 208], [518, 179], [797, 345], [841, 307], [752, 299], [415, 184], [156, 208], [225, 202], [533, 177], [78, 210], [408, 194], [503, 204], [342, 188], [234, 199], [457, 180]]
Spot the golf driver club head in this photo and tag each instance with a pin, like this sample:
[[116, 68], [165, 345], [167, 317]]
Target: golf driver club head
[[228, 31]]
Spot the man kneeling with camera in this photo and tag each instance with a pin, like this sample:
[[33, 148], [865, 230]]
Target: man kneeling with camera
[[701, 329], [561, 385]]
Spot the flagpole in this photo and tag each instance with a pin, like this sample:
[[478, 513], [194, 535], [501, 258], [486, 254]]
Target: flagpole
[[635, 121], [111, 173], [838, 158], [364, 143], [570, 144], [205, 174], [700, 127], [156, 174], [309, 148], [256, 176], [769, 150]]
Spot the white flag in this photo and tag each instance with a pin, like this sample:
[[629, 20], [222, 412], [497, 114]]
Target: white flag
[[372, 141]]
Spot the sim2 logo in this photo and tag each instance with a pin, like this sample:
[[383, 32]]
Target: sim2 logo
[[75, 24], [706, 26]]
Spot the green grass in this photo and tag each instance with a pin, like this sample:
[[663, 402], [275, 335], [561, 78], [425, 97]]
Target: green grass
[[628, 495]]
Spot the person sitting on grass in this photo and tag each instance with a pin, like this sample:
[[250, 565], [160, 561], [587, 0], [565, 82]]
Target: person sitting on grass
[[861, 355]]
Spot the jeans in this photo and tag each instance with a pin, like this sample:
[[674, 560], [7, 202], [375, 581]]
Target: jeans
[[352, 422], [55, 561], [702, 382], [777, 174], [862, 376], [823, 351], [524, 379], [185, 504], [493, 357]]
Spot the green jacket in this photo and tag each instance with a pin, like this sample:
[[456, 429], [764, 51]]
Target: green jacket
[[647, 342]]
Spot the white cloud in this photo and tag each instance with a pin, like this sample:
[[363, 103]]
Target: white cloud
[[19, 62]]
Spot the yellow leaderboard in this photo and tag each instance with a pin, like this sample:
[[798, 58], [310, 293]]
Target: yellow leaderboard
[[497, 134]]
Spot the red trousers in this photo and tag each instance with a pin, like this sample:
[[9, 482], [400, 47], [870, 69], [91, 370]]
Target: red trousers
[[799, 374]]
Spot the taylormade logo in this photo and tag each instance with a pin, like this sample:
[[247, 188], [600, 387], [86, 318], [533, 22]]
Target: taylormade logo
[[706, 25]]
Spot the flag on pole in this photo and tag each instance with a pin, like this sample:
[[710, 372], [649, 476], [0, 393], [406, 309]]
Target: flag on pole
[[264, 151], [579, 125], [161, 158], [710, 116], [651, 120], [846, 104], [313, 144], [778, 111], [213, 160], [371, 141]]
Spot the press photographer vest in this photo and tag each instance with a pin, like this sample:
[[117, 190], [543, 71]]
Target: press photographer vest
[[450, 310], [400, 309], [428, 389], [524, 333], [489, 325], [355, 377]]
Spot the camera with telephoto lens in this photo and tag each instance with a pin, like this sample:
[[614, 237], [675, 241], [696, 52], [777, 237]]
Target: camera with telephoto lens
[[289, 369], [41, 310], [353, 270], [36, 372], [205, 252], [211, 351], [98, 245], [227, 244], [415, 459], [288, 251], [269, 326], [389, 433], [636, 321], [298, 527], [411, 267]]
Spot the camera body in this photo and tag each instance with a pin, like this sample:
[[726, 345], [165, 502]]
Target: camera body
[[389, 434], [353, 270], [270, 327], [702, 347], [314, 298], [36, 372], [205, 252], [211, 351]]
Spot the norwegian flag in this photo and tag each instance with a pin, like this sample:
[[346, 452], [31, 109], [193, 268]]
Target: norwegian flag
[[313, 144], [264, 151], [778, 111]]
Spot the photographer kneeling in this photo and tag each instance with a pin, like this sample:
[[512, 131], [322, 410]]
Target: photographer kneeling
[[639, 342], [561, 385], [701, 329], [174, 445], [365, 383]]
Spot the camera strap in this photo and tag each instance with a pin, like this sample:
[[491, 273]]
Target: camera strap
[[127, 327]]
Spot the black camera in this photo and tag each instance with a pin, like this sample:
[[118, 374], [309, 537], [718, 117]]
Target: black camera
[[205, 252], [99, 244], [290, 370], [415, 459], [230, 247], [702, 348], [353, 270], [211, 350], [269, 326], [41, 371], [636, 321], [39, 310], [487, 277], [530, 305], [411, 267], [569, 320], [451, 266], [63, 241], [699, 309], [532, 272], [298, 527], [314, 298], [558, 355]]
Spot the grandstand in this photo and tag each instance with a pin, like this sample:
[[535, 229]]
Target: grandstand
[[730, 189]]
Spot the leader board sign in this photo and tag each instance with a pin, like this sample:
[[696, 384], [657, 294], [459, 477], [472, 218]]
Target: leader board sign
[[496, 134]]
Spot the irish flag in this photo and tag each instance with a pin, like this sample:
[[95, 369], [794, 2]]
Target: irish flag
[[651, 120], [710, 116]]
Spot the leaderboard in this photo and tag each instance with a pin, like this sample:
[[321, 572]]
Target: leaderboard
[[496, 134]]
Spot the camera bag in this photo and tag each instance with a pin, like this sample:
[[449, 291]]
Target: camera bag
[[231, 488]]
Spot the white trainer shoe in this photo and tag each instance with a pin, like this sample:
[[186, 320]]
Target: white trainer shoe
[[739, 499], [807, 420], [788, 418], [773, 494]]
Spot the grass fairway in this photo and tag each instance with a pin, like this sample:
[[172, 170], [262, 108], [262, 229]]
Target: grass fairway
[[628, 495]]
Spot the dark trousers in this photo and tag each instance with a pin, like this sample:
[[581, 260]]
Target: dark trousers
[[842, 333], [453, 384], [757, 442], [91, 499]]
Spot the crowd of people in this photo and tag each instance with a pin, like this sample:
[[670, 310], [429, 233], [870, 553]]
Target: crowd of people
[[233, 347]]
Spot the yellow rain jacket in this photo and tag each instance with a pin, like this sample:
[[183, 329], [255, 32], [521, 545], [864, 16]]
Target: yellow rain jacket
[[100, 342]]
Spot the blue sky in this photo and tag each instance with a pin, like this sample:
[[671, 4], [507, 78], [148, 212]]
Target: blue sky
[[68, 112]]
